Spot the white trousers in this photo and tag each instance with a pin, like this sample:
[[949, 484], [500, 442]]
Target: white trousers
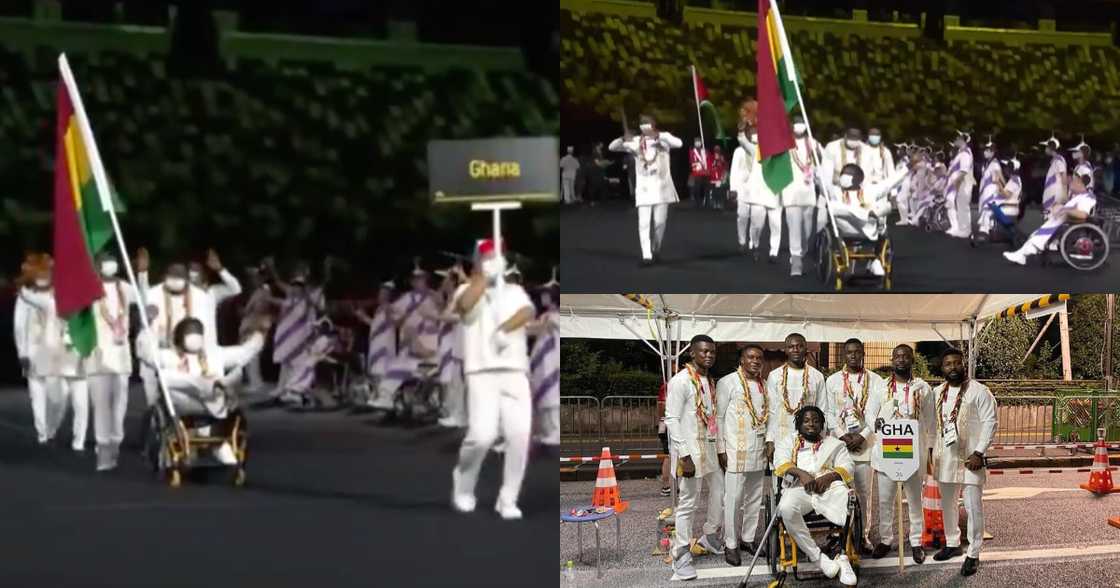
[[659, 214], [109, 395], [37, 387], [568, 189], [887, 523], [796, 503], [686, 506], [759, 215], [497, 401], [253, 371], [734, 485], [975, 509], [75, 392], [960, 213], [799, 221], [151, 385], [546, 425], [864, 476], [903, 201], [455, 401]]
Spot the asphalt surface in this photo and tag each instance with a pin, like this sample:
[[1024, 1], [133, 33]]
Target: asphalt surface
[[1046, 532], [600, 253], [331, 500]]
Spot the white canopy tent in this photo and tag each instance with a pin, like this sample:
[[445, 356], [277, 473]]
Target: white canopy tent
[[666, 321]]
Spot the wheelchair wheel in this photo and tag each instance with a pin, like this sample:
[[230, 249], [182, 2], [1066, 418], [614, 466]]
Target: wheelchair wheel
[[824, 257], [772, 545], [1084, 247], [886, 257]]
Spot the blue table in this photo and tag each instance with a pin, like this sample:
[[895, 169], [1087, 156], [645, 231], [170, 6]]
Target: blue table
[[594, 518]]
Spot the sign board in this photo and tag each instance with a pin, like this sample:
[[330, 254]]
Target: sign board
[[900, 449], [523, 169]]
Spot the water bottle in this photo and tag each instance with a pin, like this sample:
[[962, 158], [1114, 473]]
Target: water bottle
[[570, 573]]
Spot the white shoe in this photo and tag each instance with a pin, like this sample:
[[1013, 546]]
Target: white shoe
[[499, 447], [829, 567], [902, 223], [43, 439], [715, 547], [460, 501], [224, 454], [508, 510], [876, 268], [847, 574], [1015, 257], [78, 446]]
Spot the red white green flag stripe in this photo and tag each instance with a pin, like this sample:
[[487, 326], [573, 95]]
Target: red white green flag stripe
[[777, 98]]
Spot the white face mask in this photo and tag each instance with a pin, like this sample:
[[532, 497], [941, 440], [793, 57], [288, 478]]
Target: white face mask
[[873, 139], [176, 284], [546, 300], [491, 268], [845, 181], [852, 144], [194, 276], [42, 282], [108, 268], [754, 138], [698, 145], [1077, 155], [192, 343], [988, 153], [646, 127], [571, 151], [799, 128]]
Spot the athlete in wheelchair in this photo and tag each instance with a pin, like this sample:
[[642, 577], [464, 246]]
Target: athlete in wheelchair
[[999, 208], [814, 472], [1071, 232], [203, 426]]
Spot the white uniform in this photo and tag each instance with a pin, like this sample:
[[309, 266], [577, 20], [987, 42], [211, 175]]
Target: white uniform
[[780, 426], [258, 303], [29, 323], [743, 429], [800, 197], [544, 373], [172, 308], [691, 418], [191, 377], [845, 405], [110, 364], [829, 456], [1084, 202], [990, 182], [840, 155], [1055, 187], [904, 195], [654, 190], [498, 397], [569, 167], [863, 213], [56, 362], [958, 198], [975, 429], [904, 400], [755, 202], [880, 164]]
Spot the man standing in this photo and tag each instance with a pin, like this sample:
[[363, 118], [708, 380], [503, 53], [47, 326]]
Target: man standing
[[30, 330], [259, 303], [966, 425], [958, 191], [655, 190], [569, 169], [698, 176], [382, 334], [848, 149], [789, 388], [173, 300], [496, 363], [1054, 191], [991, 182], [755, 203], [690, 415], [1082, 167], [717, 175], [880, 162], [845, 404], [903, 397], [800, 197], [742, 411], [544, 370]]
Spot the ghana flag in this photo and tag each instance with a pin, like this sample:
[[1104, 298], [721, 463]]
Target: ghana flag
[[898, 449], [82, 225], [777, 97]]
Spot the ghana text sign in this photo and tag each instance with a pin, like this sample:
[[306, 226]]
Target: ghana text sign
[[500, 169], [898, 457]]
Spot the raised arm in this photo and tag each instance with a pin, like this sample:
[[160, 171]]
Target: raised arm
[[669, 141]]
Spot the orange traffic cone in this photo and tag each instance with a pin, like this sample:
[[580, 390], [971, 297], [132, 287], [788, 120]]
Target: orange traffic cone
[[1100, 479], [606, 486], [933, 529]]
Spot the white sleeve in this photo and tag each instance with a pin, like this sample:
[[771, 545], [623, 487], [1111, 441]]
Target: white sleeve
[[618, 145], [676, 408], [19, 323], [775, 405], [514, 301], [669, 141], [229, 287], [831, 411], [236, 356], [986, 411]]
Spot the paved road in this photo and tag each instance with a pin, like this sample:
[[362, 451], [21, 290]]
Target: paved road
[[1046, 532], [332, 501], [600, 253]]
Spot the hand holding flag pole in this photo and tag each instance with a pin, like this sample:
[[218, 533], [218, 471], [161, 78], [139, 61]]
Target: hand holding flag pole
[[699, 120]]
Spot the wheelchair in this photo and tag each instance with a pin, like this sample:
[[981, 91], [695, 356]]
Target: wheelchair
[[419, 400], [782, 550], [934, 218], [1005, 228], [837, 258], [1083, 246], [183, 445]]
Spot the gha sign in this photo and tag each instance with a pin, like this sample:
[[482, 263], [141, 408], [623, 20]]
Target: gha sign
[[521, 169]]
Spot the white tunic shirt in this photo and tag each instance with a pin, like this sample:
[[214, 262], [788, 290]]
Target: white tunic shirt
[[46, 341], [480, 323], [905, 400], [112, 354], [976, 427], [742, 427], [780, 424], [843, 403], [685, 414], [654, 180]]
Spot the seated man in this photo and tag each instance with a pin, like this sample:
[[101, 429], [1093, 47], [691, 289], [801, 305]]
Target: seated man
[[1077, 209], [198, 377], [861, 212], [1004, 193], [822, 468]]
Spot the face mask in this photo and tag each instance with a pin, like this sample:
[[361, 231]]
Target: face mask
[[754, 138], [546, 300], [42, 282], [109, 269], [1077, 155], [571, 151], [873, 139], [193, 342], [1050, 152], [194, 276], [492, 268], [176, 284], [852, 144], [799, 128], [646, 127], [988, 153], [845, 181], [697, 144]]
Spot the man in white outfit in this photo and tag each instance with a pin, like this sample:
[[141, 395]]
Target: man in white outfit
[[29, 330], [694, 439], [569, 168], [755, 203], [742, 411], [841, 152], [819, 469], [1078, 208], [904, 396], [799, 199], [1054, 190], [880, 161], [496, 363], [958, 191], [862, 211], [848, 393], [966, 425], [790, 387], [654, 190]]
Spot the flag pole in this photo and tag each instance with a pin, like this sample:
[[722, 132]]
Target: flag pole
[[792, 73], [699, 121], [102, 181]]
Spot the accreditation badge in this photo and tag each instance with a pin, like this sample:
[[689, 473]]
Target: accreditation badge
[[949, 434]]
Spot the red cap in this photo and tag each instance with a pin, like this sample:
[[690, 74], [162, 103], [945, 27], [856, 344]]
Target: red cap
[[486, 246]]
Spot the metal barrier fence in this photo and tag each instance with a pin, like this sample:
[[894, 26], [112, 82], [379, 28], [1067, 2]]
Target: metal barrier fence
[[628, 424]]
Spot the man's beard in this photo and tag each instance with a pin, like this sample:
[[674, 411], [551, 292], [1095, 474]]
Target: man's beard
[[954, 377], [812, 437], [902, 371]]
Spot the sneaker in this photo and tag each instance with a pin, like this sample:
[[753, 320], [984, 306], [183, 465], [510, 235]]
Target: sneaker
[[104, 457], [918, 554], [682, 567], [508, 510], [461, 501], [795, 266], [847, 574], [224, 453], [1015, 257], [876, 268], [732, 557], [711, 544], [828, 567]]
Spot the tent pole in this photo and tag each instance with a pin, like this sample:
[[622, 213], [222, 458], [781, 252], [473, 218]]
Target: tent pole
[[1063, 326], [1110, 306]]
